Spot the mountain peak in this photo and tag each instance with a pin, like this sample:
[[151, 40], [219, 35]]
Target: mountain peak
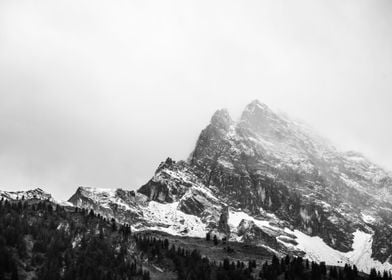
[[222, 119], [260, 117], [256, 107], [95, 190], [257, 104]]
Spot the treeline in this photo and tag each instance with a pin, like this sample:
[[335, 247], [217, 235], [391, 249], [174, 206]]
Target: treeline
[[298, 268], [291, 268], [191, 265], [47, 242]]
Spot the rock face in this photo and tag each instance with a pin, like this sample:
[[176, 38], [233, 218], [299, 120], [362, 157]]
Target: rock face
[[164, 186], [121, 204], [266, 162], [269, 181], [251, 233]]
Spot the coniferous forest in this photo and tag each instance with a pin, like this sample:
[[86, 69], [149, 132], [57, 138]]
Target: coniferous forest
[[43, 241]]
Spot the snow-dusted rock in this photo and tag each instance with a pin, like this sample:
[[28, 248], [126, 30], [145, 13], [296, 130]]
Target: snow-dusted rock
[[267, 161], [37, 193]]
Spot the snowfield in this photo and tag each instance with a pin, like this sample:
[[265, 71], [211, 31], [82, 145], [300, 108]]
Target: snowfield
[[235, 219], [172, 221], [317, 250]]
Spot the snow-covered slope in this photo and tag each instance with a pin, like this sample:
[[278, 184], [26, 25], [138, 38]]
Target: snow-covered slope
[[29, 194], [36, 193], [314, 247], [173, 201], [266, 229]]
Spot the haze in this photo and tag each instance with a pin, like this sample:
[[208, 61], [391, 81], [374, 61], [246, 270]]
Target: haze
[[98, 93]]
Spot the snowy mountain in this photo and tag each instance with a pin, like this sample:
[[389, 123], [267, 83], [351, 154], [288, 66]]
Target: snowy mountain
[[29, 194], [267, 163], [267, 181]]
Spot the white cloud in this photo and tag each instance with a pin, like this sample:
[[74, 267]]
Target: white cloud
[[98, 92]]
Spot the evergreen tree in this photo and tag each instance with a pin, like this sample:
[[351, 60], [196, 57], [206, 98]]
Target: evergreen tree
[[216, 240]]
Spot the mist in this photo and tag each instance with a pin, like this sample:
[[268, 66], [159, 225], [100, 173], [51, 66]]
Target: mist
[[98, 93]]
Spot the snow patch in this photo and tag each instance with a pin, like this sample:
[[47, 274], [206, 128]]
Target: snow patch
[[317, 250], [367, 218], [225, 164], [173, 221], [235, 218]]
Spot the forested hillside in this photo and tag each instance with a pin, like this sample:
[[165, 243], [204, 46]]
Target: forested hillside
[[44, 241]]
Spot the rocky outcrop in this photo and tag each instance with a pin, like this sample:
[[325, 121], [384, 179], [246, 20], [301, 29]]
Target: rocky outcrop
[[223, 225], [157, 191], [251, 233], [120, 204], [170, 182]]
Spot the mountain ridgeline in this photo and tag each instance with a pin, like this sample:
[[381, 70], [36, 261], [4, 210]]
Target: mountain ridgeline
[[264, 181]]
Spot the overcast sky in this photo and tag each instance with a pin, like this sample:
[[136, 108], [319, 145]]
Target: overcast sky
[[97, 93]]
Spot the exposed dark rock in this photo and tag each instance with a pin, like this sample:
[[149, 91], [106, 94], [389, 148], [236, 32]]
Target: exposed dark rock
[[157, 191], [251, 233], [223, 225]]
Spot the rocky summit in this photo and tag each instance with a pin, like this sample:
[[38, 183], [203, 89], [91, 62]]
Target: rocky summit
[[268, 181]]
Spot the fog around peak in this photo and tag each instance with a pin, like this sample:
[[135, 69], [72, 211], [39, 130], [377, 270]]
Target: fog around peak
[[99, 94]]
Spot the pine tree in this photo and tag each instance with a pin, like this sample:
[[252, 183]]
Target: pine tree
[[216, 240], [208, 236]]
